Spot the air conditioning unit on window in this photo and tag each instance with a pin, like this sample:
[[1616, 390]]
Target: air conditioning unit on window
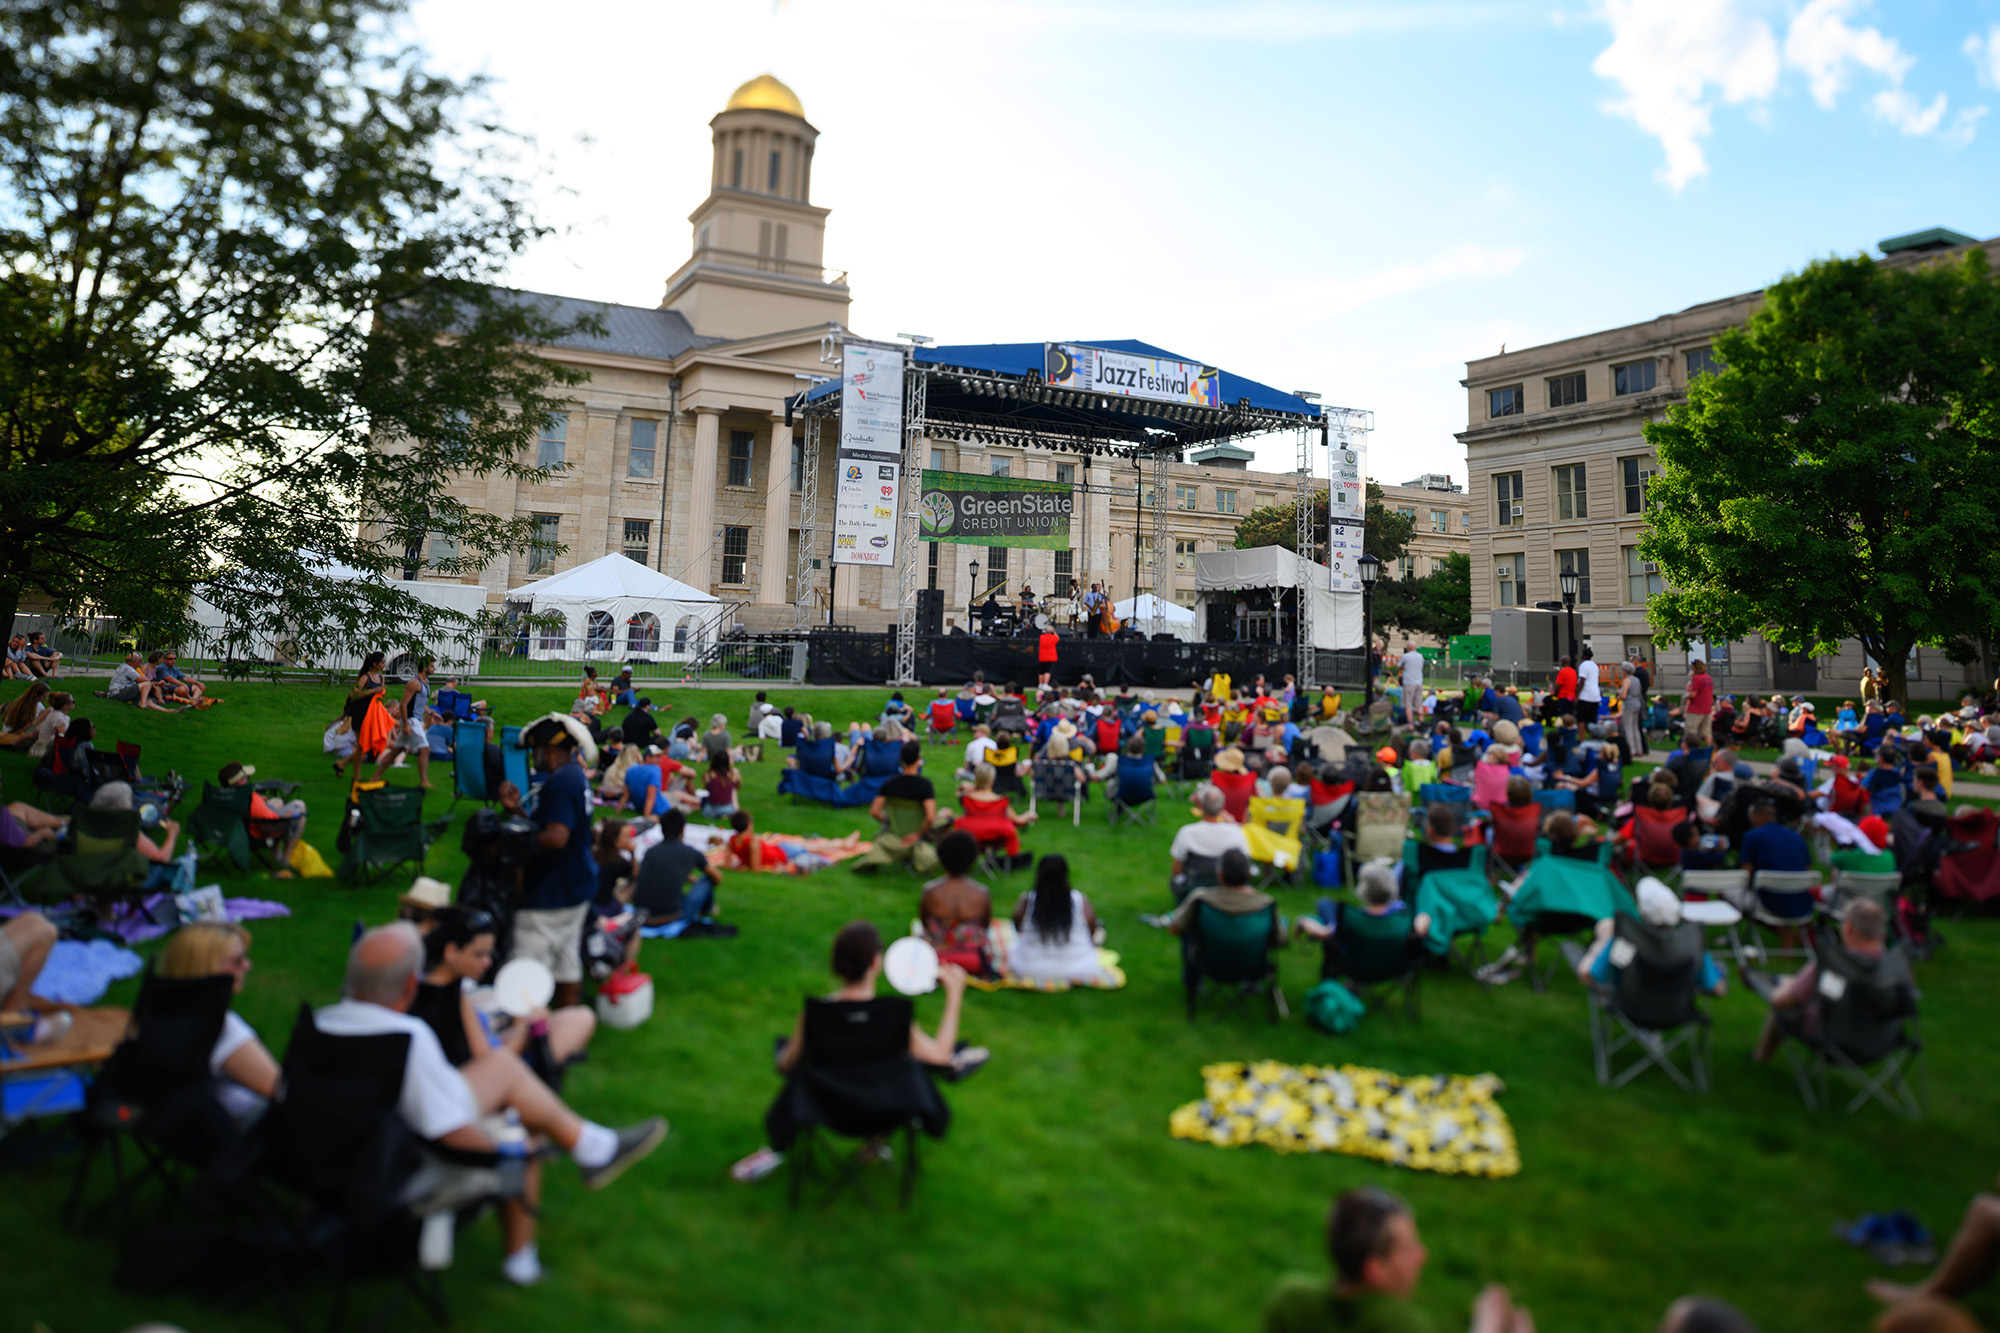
[[1516, 511], [1649, 567], [1505, 571]]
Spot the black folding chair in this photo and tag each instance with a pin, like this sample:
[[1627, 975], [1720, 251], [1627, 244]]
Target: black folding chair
[[1653, 1006]]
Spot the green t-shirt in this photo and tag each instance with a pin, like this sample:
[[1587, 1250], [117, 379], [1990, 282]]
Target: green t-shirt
[[1863, 863], [1309, 1305], [1416, 773]]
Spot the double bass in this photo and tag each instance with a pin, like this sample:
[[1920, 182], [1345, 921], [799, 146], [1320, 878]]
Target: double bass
[[1107, 618]]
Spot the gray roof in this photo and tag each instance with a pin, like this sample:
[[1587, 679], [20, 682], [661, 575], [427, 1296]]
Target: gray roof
[[629, 330]]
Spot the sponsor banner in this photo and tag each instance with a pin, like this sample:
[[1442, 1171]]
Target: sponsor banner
[[1349, 491], [868, 488], [1343, 549], [1128, 375], [973, 510]]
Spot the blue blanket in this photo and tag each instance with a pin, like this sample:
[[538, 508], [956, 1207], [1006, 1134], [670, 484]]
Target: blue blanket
[[79, 973]]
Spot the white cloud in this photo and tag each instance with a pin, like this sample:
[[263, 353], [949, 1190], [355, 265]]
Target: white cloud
[[1676, 60], [1985, 53]]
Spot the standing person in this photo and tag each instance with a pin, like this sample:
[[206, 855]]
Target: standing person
[[561, 877], [1871, 686], [1242, 619], [1562, 698], [1046, 654], [367, 688], [1631, 712], [1093, 611], [1697, 707], [1589, 695], [410, 736], [1412, 663]]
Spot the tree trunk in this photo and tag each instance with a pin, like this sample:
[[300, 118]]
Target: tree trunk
[[10, 602], [1896, 677]]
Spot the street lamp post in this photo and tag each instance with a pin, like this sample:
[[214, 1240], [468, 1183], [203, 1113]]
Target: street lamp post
[[973, 601], [1568, 579], [1371, 569]]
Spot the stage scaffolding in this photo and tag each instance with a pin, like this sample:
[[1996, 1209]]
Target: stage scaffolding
[[948, 401]]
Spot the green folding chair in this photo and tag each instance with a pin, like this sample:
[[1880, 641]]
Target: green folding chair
[[1378, 957], [1233, 950], [105, 864], [391, 832]]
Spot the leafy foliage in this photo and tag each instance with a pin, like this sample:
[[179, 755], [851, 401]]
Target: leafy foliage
[[239, 242], [1841, 477], [1277, 524]]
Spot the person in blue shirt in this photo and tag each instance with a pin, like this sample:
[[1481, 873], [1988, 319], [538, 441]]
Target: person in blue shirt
[[440, 733], [1659, 907], [1772, 846], [644, 782], [561, 876]]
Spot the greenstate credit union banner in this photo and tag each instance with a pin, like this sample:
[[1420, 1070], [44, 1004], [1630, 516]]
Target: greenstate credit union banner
[[972, 510]]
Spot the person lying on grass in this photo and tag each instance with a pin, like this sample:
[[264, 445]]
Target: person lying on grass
[[781, 852], [443, 1104], [1378, 1260]]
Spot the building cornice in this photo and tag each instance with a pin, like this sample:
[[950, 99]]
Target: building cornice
[[1640, 406]]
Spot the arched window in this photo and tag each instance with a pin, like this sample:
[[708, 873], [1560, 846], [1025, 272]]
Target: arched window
[[682, 628], [642, 635], [602, 634], [554, 634]]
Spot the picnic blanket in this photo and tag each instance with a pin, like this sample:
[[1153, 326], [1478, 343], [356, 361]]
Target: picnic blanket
[[80, 973], [1448, 1123], [1110, 975]]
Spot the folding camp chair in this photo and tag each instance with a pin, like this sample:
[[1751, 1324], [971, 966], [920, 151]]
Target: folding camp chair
[[1851, 886], [1130, 794], [1275, 830], [1232, 949], [1566, 896], [941, 722], [1868, 1034], [390, 831], [1780, 900], [514, 761], [456, 705], [1731, 887], [1444, 793], [1197, 755], [104, 863], [856, 1079], [1555, 798], [1460, 903], [223, 823], [1160, 744], [1652, 1007], [468, 762], [156, 1090], [1057, 780], [1381, 826], [1379, 958]]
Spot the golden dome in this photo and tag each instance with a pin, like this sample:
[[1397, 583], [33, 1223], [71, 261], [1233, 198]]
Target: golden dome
[[765, 93]]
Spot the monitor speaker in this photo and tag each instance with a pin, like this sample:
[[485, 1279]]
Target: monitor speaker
[[930, 611]]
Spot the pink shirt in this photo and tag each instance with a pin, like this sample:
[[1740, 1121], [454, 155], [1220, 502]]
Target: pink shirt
[[1489, 784], [1700, 693]]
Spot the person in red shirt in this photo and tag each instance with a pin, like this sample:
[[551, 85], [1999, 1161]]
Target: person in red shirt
[[1563, 694], [1697, 707], [268, 819], [1047, 656]]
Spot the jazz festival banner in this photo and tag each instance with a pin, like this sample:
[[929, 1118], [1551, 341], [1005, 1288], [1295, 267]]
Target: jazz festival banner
[[1348, 509], [870, 462], [974, 510], [1128, 375]]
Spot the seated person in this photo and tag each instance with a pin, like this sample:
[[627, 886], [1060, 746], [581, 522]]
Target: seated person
[[247, 1072], [976, 751], [25, 826], [15, 665], [25, 942], [1647, 838], [910, 787], [1881, 861], [1846, 796], [1232, 895], [1378, 1261], [1571, 835], [1212, 836], [991, 817], [42, 661], [1418, 771], [1795, 1001], [1700, 851], [1056, 929], [798, 856], [165, 686], [719, 794], [1441, 848], [458, 956], [1376, 888], [1327, 796], [1770, 845], [611, 850], [170, 873], [1516, 828], [338, 740], [772, 725], [286, 817], [957, 910], [441, 735], [674, 882], [52, 723], [1233, 778], [716, 740], [1659, 911], [130, 685], [794, 725], [442, 1104], [857, 962], [188, 687], [759, 710], [1276, 782]]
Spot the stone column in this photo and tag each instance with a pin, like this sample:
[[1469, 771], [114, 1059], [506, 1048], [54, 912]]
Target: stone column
[[599, 530], [777, 518], [697, 544]]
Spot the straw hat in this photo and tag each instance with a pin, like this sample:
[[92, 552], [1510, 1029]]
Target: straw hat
[[1229, 761], [427, 893]]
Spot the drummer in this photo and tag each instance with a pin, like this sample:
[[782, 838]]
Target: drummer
[[1027, 602]]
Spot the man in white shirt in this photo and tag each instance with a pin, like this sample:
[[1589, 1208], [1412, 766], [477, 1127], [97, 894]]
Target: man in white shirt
[[1211, 835], [759, 711], [443, 1104], [976, 750], [1412, 663], [1589, 696]]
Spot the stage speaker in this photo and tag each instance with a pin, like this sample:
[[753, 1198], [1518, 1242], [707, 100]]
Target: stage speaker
[[930, 611]]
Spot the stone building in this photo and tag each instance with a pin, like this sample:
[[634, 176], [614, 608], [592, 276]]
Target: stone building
[[1558, 470]]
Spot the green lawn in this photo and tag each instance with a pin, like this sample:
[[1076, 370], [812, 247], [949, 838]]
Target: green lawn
[[1058, 1200]]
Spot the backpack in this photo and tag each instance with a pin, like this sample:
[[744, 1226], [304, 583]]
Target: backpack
[[1331, 1007]]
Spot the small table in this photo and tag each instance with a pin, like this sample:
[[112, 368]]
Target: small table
[[47, 1079]]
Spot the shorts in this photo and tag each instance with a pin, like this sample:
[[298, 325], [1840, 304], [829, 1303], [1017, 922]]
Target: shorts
[[1694, 729], [124, 694], [554, 937], [10, 966]]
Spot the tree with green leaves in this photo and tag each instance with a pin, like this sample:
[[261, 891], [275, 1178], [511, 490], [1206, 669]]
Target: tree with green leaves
[[244, 306], [1840, 478], [1389, 532]]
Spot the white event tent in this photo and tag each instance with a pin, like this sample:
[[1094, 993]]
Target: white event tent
[[1175, 620], [614, 608], [1336, 616]]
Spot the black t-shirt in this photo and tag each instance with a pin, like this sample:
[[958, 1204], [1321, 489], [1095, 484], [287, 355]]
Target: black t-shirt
[[661, 887], [639, 727], [909, 787]]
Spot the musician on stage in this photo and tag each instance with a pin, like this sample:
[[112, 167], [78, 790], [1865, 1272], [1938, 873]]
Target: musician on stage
[[989, 612], [1093, 610]]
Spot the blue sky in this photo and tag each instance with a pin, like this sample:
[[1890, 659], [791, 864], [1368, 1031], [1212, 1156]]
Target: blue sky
[[1350, 198]]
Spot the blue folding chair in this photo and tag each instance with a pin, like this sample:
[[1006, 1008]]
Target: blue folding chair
[[468, 761], [1445, 793], [456, 704], [1556, 798], [514, 759], [1531, 737]]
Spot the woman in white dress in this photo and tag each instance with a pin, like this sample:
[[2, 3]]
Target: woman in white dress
[[1056, 929]]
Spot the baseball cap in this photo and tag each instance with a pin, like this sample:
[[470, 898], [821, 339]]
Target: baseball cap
[[233, 773]]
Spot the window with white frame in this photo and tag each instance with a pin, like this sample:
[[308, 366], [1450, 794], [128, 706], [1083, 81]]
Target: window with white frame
[[552, 442], [1572, 502], [1642, 577], [1512, 572], [742, 445], [644, 448], [1183, 555], [1186, 497], [735, 555]]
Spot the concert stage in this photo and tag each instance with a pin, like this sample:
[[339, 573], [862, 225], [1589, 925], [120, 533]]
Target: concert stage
[[844, 657]]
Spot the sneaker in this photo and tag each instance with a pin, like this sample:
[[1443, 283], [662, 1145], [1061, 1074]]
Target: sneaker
[[1153, 919], [634, 1142], [757, 1165], [1498, 967], [967, 1062]]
